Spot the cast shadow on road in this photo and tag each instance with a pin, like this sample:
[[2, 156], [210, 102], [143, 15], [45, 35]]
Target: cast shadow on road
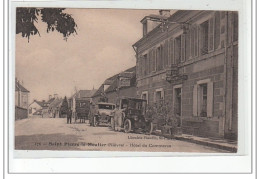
[[57, 141]]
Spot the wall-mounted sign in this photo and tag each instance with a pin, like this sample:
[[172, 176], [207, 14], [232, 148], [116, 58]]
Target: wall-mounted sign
[[124, 82]]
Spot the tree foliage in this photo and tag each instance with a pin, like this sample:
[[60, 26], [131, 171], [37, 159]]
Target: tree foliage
[[55, 19], [64, 106]]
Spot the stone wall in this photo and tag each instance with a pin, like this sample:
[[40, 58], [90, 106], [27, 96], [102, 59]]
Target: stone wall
[[20, 113]]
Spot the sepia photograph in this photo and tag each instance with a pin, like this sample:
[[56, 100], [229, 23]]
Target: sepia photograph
[[132, 80]]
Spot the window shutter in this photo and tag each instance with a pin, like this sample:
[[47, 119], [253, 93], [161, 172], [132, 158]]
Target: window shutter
[[176, 51], [166, 53], [172, 51], [195, 100], [139, 67], [149, 61], [211, 34], [210, 99], [162, 94], [187, 45], [161, 57], [192, 42], [154, 97], [217, 30], [182, 47], [196, 42]]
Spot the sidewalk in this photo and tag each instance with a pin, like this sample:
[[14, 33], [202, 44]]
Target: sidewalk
[[222, 144]]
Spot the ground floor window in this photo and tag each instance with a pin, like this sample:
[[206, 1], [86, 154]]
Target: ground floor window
[[145, 95], [203, 98], [158, 95]]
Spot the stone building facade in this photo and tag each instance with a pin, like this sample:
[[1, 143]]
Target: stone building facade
[[190, 60]]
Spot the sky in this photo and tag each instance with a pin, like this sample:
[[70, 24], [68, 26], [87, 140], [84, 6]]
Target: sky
[[102, 48]]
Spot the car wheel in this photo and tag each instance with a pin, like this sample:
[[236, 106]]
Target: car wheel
[[127, 126], [95, 122]]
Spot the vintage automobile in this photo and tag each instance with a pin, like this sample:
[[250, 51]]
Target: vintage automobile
[[102, 113], [130, 116]]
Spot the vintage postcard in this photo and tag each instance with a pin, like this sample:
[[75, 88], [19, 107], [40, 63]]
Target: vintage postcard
[[130, 80]]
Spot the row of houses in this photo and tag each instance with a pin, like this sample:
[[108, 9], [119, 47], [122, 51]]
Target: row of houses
[[46, 108], [188, 59]]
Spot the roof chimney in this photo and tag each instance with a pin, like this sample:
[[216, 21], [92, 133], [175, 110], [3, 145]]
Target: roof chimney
[[164, 12], [55, 96], [50, 96]]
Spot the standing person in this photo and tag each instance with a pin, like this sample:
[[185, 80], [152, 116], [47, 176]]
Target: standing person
[[69, 114]]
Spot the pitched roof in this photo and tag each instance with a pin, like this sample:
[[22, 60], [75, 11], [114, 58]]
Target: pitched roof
[[113, 82], [19, 87], [56, 103], [132, 76], [86, 93], [50, 100], [83, 94]]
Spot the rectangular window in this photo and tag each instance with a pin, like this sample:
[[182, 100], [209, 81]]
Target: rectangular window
[[145, 96], [154, 60], [183, 44], [217, 31], [177, 50], [204, 30], [192, 42], [165, 54], [158, 95], [145, 64], [188, 44], [211, 35], [196, 42], [171, 51], [159, 58], [203, 98]]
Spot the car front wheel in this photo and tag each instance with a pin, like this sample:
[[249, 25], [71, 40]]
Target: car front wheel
[[127, 126]]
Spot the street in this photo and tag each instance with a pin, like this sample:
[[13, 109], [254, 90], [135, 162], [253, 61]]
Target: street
[[55, 134]]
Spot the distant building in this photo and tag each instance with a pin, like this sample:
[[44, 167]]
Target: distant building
[[38, 107], [54, 106], [190, 60], [21, 101], [119, 85], [81, 94]]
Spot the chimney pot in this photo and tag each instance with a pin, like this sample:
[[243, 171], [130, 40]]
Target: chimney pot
[[164, 12]]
